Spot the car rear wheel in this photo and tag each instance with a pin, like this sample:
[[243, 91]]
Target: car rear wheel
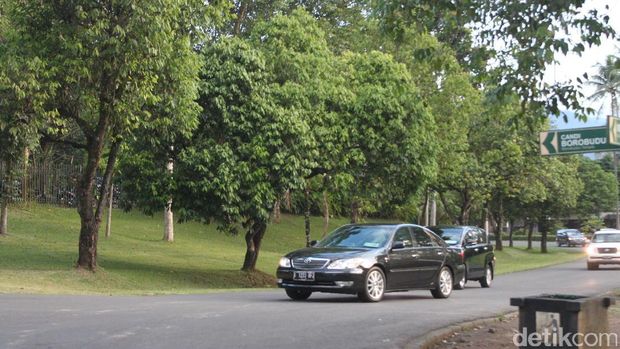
[[444, 284], [592, 266], [298, 295], [374, 286], [487, 280]]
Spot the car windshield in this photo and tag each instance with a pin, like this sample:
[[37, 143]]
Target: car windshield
[[451, 236], [358, 236], [606, 238]]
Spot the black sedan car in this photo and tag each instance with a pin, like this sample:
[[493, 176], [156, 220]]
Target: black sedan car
[[370, 260], [472, 243]]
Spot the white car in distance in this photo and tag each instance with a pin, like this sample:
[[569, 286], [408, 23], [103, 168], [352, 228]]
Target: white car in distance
[[604, 248]]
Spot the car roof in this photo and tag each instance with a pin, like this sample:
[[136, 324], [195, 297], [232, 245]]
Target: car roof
[[565, 230], [454, 226], [387, 225]]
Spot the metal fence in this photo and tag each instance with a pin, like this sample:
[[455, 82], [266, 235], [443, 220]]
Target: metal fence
[[47, 182]]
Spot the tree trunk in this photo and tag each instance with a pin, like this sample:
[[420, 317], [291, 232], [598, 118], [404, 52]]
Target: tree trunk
[[168, 214], [253, 239], [287, 201], [307, 215], [510, 232], [25, 188], [530, 232], [276, 213], [355, 211], [465, 209], [168, 222], [499, 220], [108, 226], [325, 213], [4, 215], [243, 8], [446, 208], [89, 207], [543, 228], [4, 199]]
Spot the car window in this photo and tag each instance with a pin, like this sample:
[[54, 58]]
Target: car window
[[598, 237], [482, 236], [403, 234], [353, 236], [450, 235], [422, 238]]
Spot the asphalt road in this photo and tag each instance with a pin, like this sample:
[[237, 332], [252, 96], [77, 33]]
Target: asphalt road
[[267, 319]]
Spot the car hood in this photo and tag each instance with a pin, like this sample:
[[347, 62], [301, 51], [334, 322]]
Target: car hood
[[331, 253]]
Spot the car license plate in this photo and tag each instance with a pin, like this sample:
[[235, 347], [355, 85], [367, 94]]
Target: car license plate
[[303, 275]]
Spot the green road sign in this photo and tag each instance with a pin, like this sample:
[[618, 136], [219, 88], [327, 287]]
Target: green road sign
[[614, 130], [585, 140]]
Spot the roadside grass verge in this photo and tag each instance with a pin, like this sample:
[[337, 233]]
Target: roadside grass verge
[[513, 259], [39, 254]]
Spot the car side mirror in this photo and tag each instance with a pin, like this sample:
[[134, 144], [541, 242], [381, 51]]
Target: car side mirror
[[397, 245], [313, 242]]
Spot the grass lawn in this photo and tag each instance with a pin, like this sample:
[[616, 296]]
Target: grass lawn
[[39, 254], [518, 258]]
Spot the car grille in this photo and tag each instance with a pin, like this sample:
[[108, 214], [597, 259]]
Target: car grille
[[607, 250], [309, 263]]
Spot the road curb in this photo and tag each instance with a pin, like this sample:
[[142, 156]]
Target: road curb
[[431, 339]]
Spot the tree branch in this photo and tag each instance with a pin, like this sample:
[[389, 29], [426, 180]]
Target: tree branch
[[49, 138], [107, 179]]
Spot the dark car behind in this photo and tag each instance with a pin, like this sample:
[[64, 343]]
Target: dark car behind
[[473, 244], [370, 260], [570, 237]]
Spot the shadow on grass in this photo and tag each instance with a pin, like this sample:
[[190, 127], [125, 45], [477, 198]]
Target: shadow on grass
[[162, 277]]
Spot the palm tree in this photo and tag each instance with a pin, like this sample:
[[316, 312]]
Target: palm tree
[[607, 82]]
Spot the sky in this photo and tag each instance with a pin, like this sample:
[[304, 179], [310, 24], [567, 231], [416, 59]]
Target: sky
[[573, 65]]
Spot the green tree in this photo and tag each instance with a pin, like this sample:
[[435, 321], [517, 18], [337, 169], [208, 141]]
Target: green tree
[[22, 112], [248, 148], [109, 60], [607, 82], [600, 189], [390, 133]]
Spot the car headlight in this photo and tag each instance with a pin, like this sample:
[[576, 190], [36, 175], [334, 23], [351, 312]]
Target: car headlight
[[592, 250], [352, 263], [285, 262]]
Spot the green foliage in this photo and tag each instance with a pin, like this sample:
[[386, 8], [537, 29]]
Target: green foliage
[[248, 149], [519, 36], [600, 189], [592, 224], [390, 131]]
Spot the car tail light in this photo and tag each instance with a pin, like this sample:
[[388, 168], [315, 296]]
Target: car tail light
[[462, 255]]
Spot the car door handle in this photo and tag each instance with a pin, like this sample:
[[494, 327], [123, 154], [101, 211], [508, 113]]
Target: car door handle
[[415, 255]]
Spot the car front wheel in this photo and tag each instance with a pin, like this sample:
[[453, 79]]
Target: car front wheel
[[298, 295], [487, 280], [374, 286], [444, 284]]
